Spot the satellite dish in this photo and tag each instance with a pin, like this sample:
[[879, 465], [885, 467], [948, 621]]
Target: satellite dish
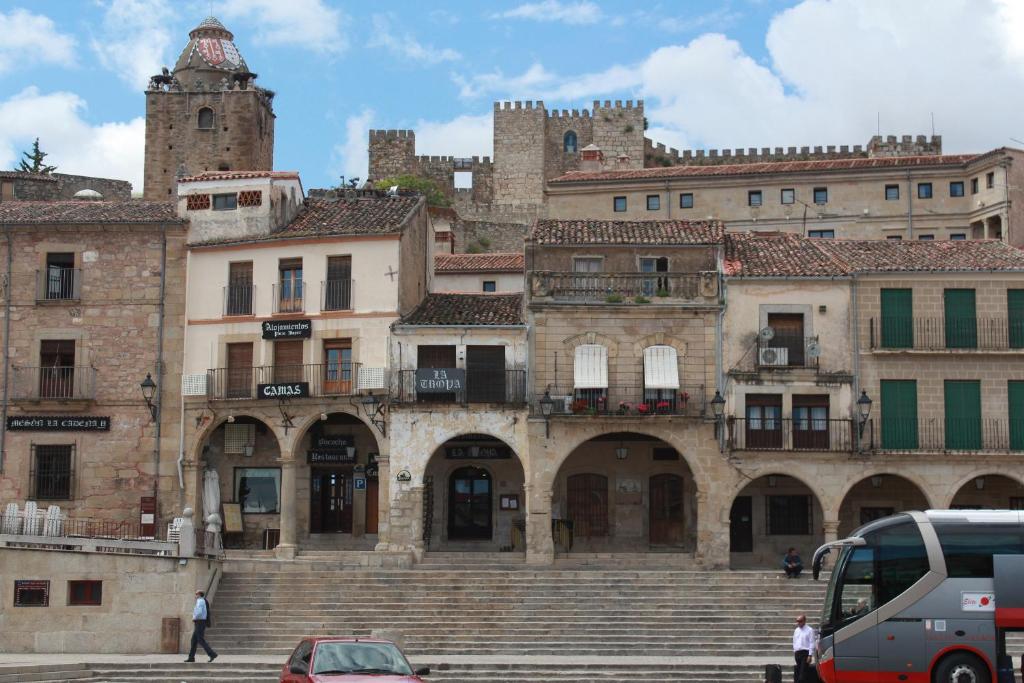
[[766, 334], [393, 191], [813, 348]]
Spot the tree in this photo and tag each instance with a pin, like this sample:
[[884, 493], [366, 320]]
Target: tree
[[425, 186], [33, 161]]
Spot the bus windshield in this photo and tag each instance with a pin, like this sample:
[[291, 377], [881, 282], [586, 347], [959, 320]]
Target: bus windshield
[[830, 594]]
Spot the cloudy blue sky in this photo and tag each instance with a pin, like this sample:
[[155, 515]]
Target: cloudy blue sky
[[727, 73]]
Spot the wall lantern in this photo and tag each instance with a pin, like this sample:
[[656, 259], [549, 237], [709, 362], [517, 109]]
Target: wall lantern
[[980, 483], [621, 453], [547, 406], [148, 387], [876, 481]]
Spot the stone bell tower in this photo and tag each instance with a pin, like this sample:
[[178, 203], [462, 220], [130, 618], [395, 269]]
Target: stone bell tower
[[207, 114]]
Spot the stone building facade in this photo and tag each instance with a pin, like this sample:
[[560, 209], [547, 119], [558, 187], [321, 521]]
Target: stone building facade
[[206, 115], [18, 186], [93, 301]]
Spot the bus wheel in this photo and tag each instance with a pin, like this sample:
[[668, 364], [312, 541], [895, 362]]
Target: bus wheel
[[962, 668]]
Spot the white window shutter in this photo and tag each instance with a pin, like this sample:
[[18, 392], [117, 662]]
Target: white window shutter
[[590, 367], [661, 368]]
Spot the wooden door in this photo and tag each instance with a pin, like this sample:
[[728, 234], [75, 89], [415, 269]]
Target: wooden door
[[666, 512], [288, 361], [963, 414], [57, 368], [1015, 317], [434, 357], [239, 379], [470, 504], [485, 374], [372, 505], [331, 501], [741, 525], [587, 497], [1015, 392], [897, 318], [899, 414], [337, 367], [961, 319], [789, 334]]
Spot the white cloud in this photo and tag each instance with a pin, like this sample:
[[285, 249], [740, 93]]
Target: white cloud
[[582, 12], [30, 38], [310, 24], [832, 66], [406, 46], [350, 157], [110, 150], [135, 39], [717, 20]]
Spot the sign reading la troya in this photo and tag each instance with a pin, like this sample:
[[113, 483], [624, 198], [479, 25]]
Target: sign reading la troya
[[287, 329], [58, 423]]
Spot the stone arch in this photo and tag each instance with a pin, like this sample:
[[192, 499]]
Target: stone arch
[[592, 338], [877, 495], [659, 339], [207, 430], [754, 539], [302, 428], [205, 118], [570, 142], [954, 493], [910, 477]]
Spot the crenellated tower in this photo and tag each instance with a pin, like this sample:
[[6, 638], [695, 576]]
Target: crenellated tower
[[207, 114]]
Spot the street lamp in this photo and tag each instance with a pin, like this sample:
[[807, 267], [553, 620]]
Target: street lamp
[[864, 409], [547, 406], [148, 387], [718, 410]]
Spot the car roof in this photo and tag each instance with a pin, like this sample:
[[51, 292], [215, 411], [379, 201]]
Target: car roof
[[347, 639]]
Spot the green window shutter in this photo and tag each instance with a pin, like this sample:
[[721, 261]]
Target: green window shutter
[[1015, 317], [961, 319], [897, 318], [1015, 391], [899, 414], [963, 415]]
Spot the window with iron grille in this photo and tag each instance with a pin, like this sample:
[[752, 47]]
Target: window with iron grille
[[85, 593], [53, 471], [250, 198], [788, 515], [197, 202]]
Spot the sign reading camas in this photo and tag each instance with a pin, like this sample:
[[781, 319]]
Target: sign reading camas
[[283, 390]]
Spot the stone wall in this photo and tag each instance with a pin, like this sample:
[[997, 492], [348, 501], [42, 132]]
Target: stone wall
[[619, 130], [519, 143], [391, 153], [114, 326], [64, 186], [138, 592], [242, 137], [488, 236]]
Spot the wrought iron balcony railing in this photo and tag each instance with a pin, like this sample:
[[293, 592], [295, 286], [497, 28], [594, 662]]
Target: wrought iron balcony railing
[[944, 334], [624, 401], [956, 434], [59, 284], [789, 434], [455, 385], [336, 295], [288, 297], [58, 383], [614, 288], [238, 298], [322, 379]]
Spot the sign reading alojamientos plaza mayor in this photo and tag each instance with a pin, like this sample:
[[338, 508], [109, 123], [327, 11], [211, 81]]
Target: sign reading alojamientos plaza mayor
[[58, 423], [287, 329]]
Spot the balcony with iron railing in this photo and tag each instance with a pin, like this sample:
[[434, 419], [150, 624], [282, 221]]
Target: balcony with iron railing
[[58, 284], [53, 383], [787, 351], [238, 298], [624, 288], [323, 379], [957, 434], [336, 295], [788, 434], [946, 334], [623, 401], [288, 297], [460, 386]]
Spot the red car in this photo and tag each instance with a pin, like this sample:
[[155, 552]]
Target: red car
[[324, 659]]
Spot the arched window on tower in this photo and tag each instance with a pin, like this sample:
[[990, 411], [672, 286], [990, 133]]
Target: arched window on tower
[[569, 142], [205, 118]]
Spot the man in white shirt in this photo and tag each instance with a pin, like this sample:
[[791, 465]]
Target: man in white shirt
[[200, 620], [803, 646]]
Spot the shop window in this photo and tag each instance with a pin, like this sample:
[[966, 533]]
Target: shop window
[[258, 489], [85, 593]]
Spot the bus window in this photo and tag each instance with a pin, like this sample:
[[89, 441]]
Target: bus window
[[902, 560], [856, 588], [969, 548]]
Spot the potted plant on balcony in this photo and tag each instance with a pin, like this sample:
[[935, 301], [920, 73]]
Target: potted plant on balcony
[[600, 405], [613, 299], [643, 408], [662, 292], [684, 398], [663, 407], [580, 406], [625, 407]]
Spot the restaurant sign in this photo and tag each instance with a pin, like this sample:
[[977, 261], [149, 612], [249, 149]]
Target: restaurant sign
[[58, 423], [317, 456], [478, 452], [440, 380], [283, 390], [287, 329]]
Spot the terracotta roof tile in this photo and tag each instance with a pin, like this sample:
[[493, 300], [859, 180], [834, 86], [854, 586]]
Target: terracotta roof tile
[[71, 211], [559, 231], [479, 263], [467, 309], [787, 254], [237, 175], [767, 167], [22, 175]]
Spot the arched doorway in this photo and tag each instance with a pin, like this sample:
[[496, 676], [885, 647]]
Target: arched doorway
[[989, 492], [470, 499], [877, 496], [624, 492], [473, 496], [244, 453], [771, 514]]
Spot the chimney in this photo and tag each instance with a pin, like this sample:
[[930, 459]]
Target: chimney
[[591, 159]]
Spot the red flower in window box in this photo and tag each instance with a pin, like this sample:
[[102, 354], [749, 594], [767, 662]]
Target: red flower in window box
[[663, 406], [580, 405], [643, 408]]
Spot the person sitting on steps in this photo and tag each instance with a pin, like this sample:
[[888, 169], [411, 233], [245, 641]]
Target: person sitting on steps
[[792, 564]]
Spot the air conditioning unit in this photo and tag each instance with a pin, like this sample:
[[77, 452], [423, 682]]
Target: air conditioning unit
[[773, 355]]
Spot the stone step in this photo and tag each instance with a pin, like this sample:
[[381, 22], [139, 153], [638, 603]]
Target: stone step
[[50, 673]]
